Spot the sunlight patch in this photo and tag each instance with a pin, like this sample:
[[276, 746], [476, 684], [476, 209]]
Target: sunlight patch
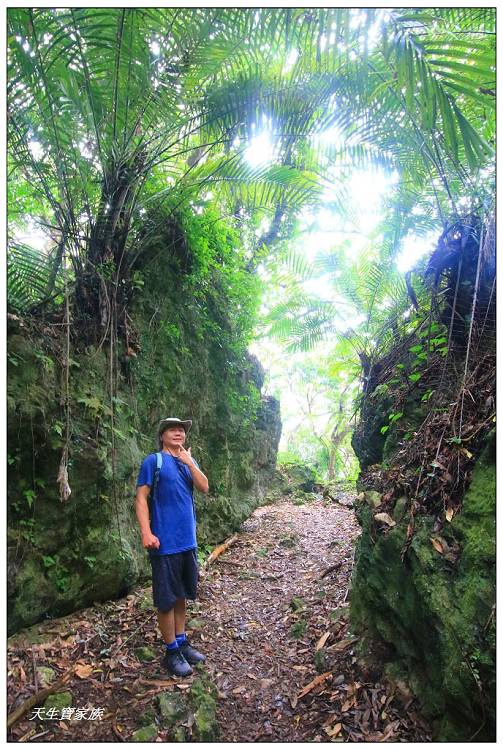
[[413, 248], [261, 149]]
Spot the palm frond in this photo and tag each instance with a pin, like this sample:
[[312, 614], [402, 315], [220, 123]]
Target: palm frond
[[28, 275]]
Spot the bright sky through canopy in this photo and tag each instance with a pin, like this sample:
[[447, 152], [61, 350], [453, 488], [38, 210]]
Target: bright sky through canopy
[[260, 152]]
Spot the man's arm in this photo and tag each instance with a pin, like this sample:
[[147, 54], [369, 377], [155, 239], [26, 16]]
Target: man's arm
[[149, 540], [199, 479]]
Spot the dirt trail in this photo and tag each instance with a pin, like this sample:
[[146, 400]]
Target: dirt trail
[[266, 606], [263, 607]]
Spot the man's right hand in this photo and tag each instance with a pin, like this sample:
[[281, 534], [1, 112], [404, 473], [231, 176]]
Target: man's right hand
[[150, 541]]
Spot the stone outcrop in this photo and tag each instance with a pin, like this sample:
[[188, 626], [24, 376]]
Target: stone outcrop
[[188, 362]]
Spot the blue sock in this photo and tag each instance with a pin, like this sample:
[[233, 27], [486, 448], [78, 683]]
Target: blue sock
[[171, 646], [181, 638]]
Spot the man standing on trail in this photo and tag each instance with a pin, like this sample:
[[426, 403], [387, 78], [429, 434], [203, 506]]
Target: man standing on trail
[[169, 535]]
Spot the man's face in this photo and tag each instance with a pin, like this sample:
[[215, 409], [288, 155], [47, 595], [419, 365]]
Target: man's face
[[173, 436]]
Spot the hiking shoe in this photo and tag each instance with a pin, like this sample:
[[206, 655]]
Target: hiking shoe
[[191, 655], [175, 662]]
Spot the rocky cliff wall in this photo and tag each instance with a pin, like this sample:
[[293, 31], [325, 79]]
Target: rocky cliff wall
[[189, 360], [423, 595]]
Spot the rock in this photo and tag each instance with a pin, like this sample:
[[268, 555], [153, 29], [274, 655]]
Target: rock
[[414, 609], [45, 676], [206, 723], [385, 518], [147, 717], [145, 734], [236, 430], [195, 624], [400, 508], [27, 637], [339, 679], [145, 653], [59, 700], [373, 498], [203, 696], [180, 735], [146, 603], [171, 708]]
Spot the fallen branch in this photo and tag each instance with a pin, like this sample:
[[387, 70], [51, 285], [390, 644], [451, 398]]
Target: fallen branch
[[330, 569], [39, 697], [220, 549], [114, 653], [341, 645], [319, 680], [115, 728], [155, 683]]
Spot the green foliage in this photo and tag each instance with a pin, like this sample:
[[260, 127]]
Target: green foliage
[[298, 628], [297, 604], [165, 101]]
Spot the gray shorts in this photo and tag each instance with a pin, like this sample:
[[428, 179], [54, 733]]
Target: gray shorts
[[174, 577]]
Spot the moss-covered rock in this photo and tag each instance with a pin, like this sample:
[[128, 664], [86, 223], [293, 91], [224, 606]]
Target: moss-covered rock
[[172, 707], [435, 613], [45, 675], [59, 700], [189, 359], [145, 653], [203, 696], [297, 478], [145, 734]]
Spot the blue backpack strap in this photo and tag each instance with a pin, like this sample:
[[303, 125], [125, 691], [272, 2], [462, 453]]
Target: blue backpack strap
[[156, 476]]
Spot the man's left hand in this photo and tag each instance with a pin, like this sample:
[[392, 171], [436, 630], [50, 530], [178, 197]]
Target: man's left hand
[[185, 456]]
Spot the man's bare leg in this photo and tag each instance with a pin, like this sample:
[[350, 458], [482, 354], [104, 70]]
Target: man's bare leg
[[166, 622], [179, 616]]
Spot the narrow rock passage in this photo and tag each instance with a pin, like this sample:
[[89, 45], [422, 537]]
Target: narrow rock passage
[[272, 619]]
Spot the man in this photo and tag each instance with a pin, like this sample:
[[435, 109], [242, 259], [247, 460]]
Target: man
[[169, 535]]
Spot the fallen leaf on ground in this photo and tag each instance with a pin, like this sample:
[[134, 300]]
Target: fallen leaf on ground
[[333, 731], [266, 682], [437, 545], [319, 680], [83, 670], [449, 514], [324, 638]]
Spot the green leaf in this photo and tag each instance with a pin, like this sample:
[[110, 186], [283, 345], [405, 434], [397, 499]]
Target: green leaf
[[395, 417], [30, 496], [91, 403]]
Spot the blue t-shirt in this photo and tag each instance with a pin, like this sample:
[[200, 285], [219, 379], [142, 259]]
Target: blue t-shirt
[[173, 518]]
